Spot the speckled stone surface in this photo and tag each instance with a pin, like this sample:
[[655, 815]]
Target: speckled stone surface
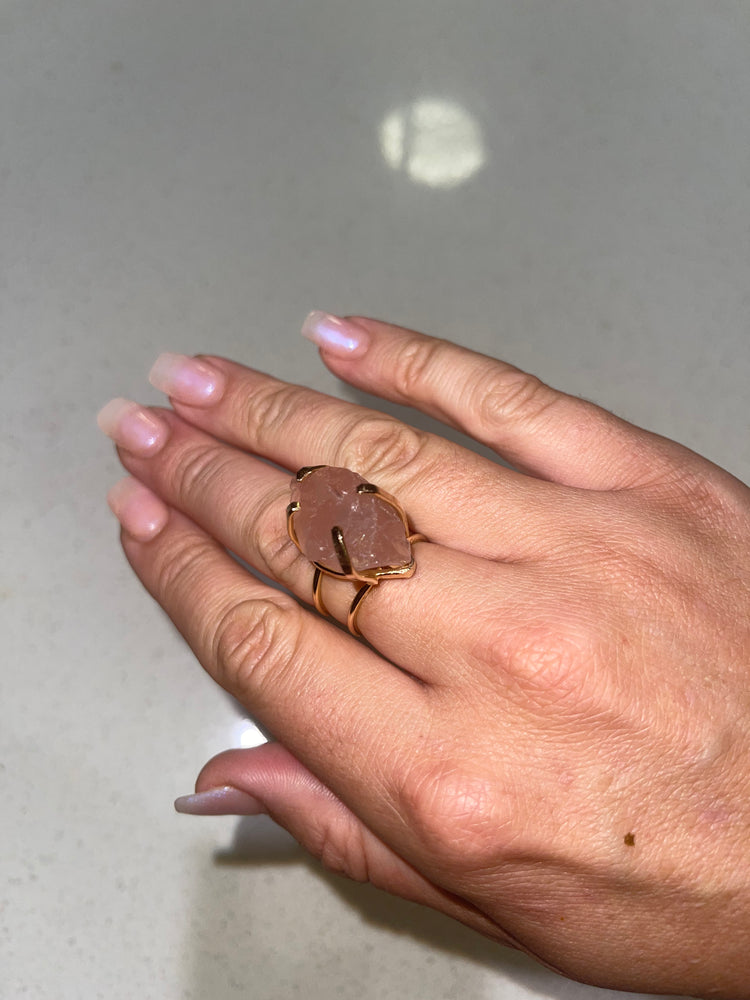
[[561, 183], [373, 533]]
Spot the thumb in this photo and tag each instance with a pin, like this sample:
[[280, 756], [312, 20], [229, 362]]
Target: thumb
[[269, 779]]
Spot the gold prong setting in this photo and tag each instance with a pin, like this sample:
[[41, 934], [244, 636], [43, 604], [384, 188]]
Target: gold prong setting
[[368, 578], [307, 470]]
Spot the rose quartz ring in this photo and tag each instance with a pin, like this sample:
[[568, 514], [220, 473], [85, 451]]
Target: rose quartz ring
[[349, 529]]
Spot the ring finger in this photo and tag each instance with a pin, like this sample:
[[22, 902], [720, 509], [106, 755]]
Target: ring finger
[[241, 501]]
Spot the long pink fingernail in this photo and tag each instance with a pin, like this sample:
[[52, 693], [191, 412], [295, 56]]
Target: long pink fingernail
[[188, 380], [133, 427], [225, 801], [339, 336], [141, 513]]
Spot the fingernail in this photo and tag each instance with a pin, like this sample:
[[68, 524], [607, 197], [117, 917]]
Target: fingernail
[[141, 513], [226, 801], [188, 380], [133, 427], [340, 336]]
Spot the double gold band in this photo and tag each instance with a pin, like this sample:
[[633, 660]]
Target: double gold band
[[357, 600]]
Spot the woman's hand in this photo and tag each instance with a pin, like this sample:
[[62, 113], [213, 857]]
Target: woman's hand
[[548, 736]]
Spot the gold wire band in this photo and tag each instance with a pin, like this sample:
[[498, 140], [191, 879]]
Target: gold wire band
[[351, 618], [357, 600]]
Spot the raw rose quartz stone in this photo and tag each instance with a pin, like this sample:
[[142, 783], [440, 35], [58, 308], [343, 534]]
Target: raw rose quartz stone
[[373, 531]]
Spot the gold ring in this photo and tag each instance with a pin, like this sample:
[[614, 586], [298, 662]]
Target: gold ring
[[351, 530]]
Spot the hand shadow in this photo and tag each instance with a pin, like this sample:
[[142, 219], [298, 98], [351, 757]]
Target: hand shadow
[[257, 840]]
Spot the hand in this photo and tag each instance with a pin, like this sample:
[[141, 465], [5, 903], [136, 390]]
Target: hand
[[548, 737]]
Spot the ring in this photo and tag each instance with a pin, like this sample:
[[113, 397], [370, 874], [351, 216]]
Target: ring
[[349, 529]]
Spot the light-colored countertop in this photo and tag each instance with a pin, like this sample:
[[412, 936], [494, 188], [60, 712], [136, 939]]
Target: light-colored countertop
[[564, 184]]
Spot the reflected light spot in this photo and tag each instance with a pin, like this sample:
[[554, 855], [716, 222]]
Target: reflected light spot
[[434, 142], [247, 734]]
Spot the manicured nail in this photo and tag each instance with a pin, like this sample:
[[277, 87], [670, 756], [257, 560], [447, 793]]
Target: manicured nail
[[188, 380], [133, 427], [141, 513], [226, 801], [339, 336]]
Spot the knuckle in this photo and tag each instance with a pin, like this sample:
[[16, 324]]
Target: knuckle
[[252, 639], [278, 554], [383, 446], [271, 408], [708, 494], [512, 396], [181, 564], [414, 366], [547, 662], [196, 468], [340, 849], [457, 813], [547, 658]]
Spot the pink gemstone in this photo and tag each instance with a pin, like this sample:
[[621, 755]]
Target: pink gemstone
[[373, 531]]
